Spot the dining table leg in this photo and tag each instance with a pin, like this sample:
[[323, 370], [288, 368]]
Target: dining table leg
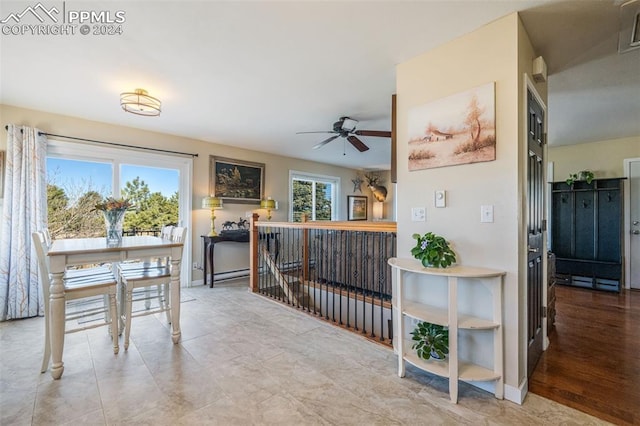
[[56, 320], [175, 299]]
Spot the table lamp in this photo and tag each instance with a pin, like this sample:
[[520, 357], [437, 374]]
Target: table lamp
[[378, 210], [268, 205], [212, 203]]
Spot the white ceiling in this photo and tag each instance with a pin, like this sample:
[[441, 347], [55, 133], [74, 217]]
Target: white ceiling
[[252, 74]]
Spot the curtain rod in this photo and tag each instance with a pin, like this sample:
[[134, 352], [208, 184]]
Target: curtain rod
[[144, 148]]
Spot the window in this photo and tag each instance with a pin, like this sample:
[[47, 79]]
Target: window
[[74, 186], [313, 194], [81, 173]]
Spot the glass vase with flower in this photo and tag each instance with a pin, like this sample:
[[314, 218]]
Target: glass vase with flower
[[113, 210]]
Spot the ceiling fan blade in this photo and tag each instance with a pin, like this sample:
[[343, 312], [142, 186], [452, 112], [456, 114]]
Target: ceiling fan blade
[[326, 131], [324, 142], [375, 133], [357, 143]]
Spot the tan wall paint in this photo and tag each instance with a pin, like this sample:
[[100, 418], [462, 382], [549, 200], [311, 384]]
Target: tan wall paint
[[490, 53], [232, 256], [603, 158]]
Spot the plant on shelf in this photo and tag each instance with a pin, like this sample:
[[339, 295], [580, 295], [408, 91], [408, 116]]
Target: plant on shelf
[[586, 175], [433, 250], [430, 340]]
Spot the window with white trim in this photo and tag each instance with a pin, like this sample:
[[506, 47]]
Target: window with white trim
[[94, 172], [315, 195]]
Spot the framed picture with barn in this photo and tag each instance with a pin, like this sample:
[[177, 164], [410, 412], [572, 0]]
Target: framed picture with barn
[[357, 207], [236, 181], [457, 129]]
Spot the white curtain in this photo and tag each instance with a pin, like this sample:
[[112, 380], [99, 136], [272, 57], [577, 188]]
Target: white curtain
[[24, 211]]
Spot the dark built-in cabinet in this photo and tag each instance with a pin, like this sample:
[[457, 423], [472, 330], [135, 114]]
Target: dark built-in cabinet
[[586, 233]]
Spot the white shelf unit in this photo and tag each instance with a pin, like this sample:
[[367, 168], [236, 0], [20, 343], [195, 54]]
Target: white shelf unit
[[451, 368]]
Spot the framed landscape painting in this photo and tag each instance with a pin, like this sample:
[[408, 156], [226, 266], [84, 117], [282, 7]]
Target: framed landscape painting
[[236, 181], [458, 129], [357, 207]]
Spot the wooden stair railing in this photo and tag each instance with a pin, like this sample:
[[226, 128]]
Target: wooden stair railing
[[337, 271]]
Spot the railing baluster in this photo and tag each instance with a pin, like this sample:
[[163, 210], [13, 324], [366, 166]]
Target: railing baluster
[[382, 245], [349, 273], [352, 276]]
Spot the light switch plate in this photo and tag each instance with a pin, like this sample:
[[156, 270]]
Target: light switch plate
[[440, 198], [486, 214], [418, 214]]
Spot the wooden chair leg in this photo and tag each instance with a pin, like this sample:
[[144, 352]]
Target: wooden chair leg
[[127, 311], [46, 357], [165, 297], [122, 300], [147, 298], [113, 313], [107, 314]]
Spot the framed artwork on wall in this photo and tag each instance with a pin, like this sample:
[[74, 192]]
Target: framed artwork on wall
[[236, 181], [357, 207], [458, 129]]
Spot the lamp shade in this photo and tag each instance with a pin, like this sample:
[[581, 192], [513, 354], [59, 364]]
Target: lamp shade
[[378, 210], [268, 204], [211, 203]]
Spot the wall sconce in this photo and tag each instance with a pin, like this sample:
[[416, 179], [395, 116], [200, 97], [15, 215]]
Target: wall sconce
[[212, 203], [268, 205], [378, 210]]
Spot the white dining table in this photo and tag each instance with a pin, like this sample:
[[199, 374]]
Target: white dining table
[[79, 251]]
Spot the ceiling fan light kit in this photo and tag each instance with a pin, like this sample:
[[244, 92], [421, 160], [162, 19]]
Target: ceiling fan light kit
[[345, 127], [348, 124], [140, 103]]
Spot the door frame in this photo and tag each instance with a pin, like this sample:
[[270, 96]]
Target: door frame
[[627, 220], [529, 85]]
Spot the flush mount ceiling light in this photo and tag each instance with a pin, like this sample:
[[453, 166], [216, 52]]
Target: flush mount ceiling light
[[139, 102]]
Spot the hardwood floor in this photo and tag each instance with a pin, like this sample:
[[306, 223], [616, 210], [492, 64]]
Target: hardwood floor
[[593, 361]]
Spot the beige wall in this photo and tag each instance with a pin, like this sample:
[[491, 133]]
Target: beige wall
[[497, 52], [232, 256], [603, 158]]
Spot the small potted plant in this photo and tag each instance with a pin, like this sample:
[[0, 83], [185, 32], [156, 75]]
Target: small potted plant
[[586, 175], [433, 250], [431, 341]]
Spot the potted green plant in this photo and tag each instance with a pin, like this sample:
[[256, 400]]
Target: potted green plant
[[586, 175], [431, 340], [433, 250]]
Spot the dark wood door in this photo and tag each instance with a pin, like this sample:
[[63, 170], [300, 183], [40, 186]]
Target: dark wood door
[[535, 219]]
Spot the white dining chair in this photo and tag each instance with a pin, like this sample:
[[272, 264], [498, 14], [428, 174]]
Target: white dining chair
[[153, 275], [165, 234], [78, 284], [149, 293]]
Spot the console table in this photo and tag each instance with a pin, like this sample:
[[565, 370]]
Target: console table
[[451, 368], [237, 237]]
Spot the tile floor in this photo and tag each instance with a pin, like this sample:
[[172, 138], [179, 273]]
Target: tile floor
[[242, 360]]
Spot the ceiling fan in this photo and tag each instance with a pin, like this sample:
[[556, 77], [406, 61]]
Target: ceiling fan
[[345, 127]]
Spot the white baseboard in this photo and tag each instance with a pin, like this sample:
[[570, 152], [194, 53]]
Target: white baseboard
[[196, 282], [518, 394]]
